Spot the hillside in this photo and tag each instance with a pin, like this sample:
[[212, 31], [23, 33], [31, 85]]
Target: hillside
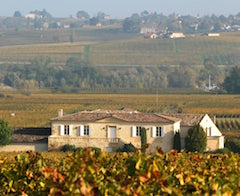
[[110, 46]]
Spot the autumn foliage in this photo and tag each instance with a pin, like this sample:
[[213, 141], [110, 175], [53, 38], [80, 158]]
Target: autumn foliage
[[88, 172]]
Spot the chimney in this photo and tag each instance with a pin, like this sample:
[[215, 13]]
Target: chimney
[[60, 113], [214, 120]]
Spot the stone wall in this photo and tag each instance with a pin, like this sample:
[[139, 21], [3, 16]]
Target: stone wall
[[17, 147], [212, 143]]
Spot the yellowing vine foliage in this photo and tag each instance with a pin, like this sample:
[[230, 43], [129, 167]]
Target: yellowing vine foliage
[[98, 173]]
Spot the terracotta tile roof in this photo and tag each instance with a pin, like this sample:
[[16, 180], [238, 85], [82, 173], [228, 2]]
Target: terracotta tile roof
[[126, 115], [83, 117], [174, 119], [188, 119], [29, 135], [142, 117]]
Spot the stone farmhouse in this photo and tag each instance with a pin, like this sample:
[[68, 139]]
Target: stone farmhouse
[[111, 129]]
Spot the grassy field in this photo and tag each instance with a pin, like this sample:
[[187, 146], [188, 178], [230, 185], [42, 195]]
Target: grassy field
[[113, 47], [37, 109]]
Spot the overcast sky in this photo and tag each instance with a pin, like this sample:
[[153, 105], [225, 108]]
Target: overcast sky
[[121, 8]]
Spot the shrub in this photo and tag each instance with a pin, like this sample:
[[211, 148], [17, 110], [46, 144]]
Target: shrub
[[5, 133], [96, 149], [233, 145], [196, 139], [143, 140], [127, 148], [221, 151], [177, 141], [72, 148], [68, 147]]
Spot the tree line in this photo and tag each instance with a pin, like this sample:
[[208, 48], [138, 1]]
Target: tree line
[[40, 73], [162, 23]]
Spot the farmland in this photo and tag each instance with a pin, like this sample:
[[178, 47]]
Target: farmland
[[113, 47], [36, 109]]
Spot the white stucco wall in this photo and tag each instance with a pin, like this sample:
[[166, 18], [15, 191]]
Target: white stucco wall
[[207, 123], [176, 126]]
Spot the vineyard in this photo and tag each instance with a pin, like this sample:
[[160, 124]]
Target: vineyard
[[97, 173], [110, 47], [188, 51], [228, 124], [36, 110]]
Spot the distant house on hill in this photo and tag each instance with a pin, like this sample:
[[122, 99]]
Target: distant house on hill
[[106, 17], [150, 35], [111, 129], [176, 35], [145, 30], [33, 16], [213, 34]]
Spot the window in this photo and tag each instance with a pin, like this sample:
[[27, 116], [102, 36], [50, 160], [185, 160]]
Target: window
[[209, 131], [138, 131], [159, 132], [86, 130], [66, 129]]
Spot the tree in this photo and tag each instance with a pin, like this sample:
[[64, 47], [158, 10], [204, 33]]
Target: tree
[[196, 139], [232, 82], [143, 139], [17, 14], [5, 133], [72, 36], [132, 25], [93, 21], [82, 15], [100, 15], [177, 141], [179, 78]]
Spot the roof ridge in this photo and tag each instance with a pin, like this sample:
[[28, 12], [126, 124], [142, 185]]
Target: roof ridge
[[165, 117], [64, 115], [184, 114]]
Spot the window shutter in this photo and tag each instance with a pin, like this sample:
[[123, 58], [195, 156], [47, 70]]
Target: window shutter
[[90, 130], [153, 131], [108, 132], [133, 131], [70, 129], [162, 134], [61, 127], [81, 130]]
